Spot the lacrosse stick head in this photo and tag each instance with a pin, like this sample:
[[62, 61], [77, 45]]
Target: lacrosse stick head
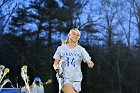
[[24, 68], [2, 67], [61, 63], [24, 73], [60, 68], [6, 70], [47, 82]]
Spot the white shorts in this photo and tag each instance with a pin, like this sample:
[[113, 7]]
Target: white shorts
[[75, 84]]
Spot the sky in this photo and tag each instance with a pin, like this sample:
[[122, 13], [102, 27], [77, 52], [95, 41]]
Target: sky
[[93, 9]]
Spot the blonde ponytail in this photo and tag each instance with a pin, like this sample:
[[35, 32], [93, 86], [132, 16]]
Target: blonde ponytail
[[66, 41]]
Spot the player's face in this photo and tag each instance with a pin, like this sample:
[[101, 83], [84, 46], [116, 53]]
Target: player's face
[[74, 36]]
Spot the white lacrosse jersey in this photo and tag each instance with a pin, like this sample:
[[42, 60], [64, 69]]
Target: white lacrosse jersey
[[71, 66]]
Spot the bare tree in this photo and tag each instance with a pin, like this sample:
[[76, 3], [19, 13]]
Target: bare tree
[[136, 10], [107, 25], [7, 8]]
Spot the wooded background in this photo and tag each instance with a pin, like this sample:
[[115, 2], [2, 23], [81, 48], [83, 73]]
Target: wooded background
[[31, 30]]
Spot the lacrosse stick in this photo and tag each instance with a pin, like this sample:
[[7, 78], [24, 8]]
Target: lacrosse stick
[[25, 77], [4, 83], [47, 82], [59, 71], [2, 67], [6, 70]]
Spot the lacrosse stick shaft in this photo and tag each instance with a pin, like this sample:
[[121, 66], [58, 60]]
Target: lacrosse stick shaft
[[60, 86]]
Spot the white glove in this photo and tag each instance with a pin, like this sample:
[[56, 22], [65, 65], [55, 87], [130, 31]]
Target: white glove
[[55, 66]]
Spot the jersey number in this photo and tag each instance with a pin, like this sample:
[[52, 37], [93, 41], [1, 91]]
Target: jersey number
[[70, 62]]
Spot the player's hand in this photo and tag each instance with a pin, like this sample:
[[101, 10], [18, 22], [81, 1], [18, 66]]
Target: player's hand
[[90, 64]]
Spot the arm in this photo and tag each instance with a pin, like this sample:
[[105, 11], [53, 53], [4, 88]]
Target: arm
[[87, 58], [55, 64], [56, 58], [90, 63]]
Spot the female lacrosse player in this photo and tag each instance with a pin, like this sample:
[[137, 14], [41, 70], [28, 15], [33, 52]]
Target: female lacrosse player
[[72, 54]]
